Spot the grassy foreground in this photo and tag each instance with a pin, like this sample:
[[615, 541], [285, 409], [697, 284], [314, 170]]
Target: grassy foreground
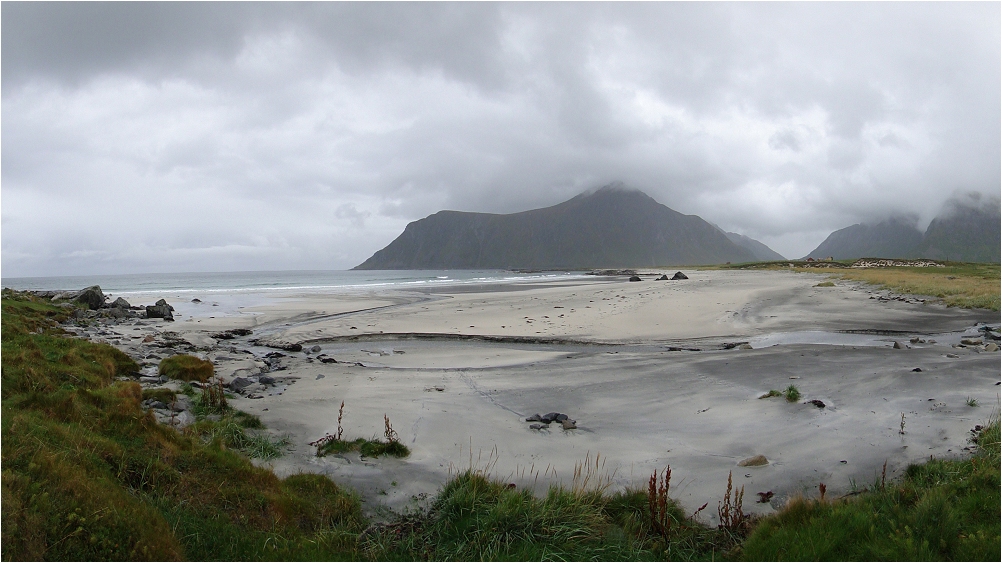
[[88, 475]]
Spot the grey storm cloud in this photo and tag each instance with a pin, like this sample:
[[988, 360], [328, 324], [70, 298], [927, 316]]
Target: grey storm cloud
[[154, 136]]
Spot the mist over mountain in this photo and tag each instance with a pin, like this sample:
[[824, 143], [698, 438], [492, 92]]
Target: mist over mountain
[[612, 227], [761, 251], [967, 230], [893, 238]]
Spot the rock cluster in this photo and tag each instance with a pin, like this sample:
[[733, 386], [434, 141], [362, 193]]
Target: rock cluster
[[871, 263], [545, 420], [177, 414]]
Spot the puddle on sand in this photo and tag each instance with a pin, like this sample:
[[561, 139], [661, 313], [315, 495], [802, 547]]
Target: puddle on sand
[[822, 337]]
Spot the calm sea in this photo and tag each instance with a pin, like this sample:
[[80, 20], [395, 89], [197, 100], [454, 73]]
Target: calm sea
[[284, 281], [233, 291]]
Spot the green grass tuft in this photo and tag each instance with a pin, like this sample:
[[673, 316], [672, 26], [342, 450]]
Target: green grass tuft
[[792, 394], [367, 448], [772, 393], [186, 368]]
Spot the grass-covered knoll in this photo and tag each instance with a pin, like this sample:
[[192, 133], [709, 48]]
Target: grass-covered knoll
[[958, 284], [87, 474], [476, 518], [186, 368], [942, 510]]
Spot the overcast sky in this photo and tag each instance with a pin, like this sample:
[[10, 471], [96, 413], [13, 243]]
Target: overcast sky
[[157, 137]]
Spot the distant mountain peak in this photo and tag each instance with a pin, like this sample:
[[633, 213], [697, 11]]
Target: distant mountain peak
[[966, 229], [612, 188], [612, 226]]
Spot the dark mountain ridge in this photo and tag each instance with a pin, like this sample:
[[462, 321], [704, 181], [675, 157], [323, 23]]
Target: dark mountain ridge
[[612, 227], [966, 230]]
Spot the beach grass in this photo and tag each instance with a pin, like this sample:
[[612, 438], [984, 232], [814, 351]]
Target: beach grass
[[89, 475], [476, 518], [366, 448], [957, 284], [186, 368], [970, 286], [941, 510], [792, 394]]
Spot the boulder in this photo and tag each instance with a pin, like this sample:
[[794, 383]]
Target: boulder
[[239, 383], [534, 418], [679, 276], [315, 349], [159, 311], [635, 278], [163, 303], [971, 341], [897, 345], [92, 296], [568, 424], [664, 277], [266, 380], [121, 304]]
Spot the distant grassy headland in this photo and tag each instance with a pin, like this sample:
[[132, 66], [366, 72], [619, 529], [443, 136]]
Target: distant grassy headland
[[89, 474], [958, 284]]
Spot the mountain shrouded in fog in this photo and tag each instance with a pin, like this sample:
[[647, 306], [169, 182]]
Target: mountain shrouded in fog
[[967, 229]]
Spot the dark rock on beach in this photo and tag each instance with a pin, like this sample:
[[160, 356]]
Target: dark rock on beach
[[664, 277], [92, 296], [635, 278], [679, 276], [160, 311]]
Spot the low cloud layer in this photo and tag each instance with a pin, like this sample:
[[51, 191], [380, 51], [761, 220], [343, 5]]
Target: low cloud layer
[[151, 137]]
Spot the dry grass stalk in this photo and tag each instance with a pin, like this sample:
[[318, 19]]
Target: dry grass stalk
[[214, 396], [657, 502], [389, 432], [591, 475], [340, 415], [732, 517]]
